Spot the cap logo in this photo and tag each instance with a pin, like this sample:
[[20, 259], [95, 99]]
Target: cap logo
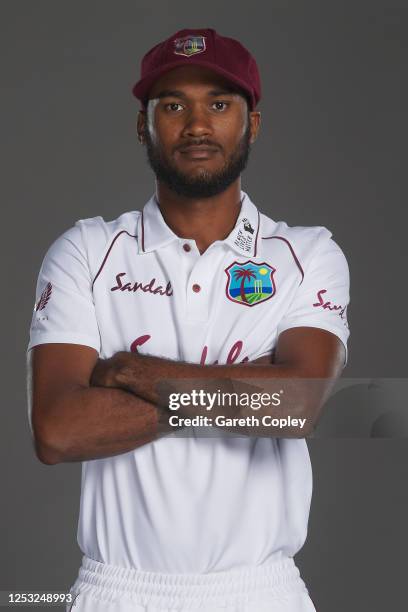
[[189, 45]]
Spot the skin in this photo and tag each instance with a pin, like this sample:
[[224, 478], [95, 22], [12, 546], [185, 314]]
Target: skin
[[176, 121], [87, 408]]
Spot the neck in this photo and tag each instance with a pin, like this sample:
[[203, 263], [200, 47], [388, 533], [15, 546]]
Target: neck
[[204, 220]]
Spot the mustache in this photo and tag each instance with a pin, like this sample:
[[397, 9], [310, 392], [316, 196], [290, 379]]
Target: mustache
[[197, 142]]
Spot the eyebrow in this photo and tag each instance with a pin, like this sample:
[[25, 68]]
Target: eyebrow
[[175, 93]]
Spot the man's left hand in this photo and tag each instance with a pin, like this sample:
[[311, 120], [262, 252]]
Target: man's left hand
[[107, 372]]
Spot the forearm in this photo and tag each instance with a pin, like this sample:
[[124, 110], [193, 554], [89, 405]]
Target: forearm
[[93, 423], [300, 398], [147, 376]]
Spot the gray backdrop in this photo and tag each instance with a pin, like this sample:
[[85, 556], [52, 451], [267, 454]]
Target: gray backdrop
[[332, 151]]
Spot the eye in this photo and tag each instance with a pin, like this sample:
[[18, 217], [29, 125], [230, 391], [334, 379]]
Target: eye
[[174, 107], [219, 105]]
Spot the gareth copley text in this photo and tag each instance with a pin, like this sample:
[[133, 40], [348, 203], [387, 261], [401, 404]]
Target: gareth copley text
[[219, 399]]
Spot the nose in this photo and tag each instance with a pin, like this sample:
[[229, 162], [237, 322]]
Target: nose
[[198, 123]]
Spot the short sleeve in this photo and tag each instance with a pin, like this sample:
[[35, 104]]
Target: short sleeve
[[322, 298], [64, 309]]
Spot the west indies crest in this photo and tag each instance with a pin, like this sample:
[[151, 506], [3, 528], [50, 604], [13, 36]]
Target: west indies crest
[[250, 283], [189, 45]]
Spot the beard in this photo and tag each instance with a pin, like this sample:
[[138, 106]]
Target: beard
[[207, 184]]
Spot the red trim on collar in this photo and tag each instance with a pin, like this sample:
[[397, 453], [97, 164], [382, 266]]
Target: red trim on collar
[[108, 252], [292, 251], [143, 244], [257, 232]]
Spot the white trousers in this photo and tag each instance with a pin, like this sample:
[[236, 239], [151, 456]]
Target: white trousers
[[271, 587]]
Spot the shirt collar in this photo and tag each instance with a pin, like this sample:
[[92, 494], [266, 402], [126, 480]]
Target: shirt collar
[[153, 232], [244, 238]]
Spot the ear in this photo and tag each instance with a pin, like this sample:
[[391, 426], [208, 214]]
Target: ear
[[141, 124], [255, 121]]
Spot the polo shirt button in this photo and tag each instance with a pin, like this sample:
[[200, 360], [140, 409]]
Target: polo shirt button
[[196, 288], [187, 248]]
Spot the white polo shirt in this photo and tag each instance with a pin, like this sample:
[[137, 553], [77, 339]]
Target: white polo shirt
[[192, 504]]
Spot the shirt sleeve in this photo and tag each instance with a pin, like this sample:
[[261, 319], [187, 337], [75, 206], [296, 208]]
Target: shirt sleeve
[[64, 309], [321, 300]]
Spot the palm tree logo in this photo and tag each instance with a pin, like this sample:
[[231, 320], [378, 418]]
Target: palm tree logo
[[243, 275], [250, 283]]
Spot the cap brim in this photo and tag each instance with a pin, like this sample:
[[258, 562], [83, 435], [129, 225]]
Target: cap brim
[[141, 89]]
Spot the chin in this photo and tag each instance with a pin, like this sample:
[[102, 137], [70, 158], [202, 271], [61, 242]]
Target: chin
[[199, 174]]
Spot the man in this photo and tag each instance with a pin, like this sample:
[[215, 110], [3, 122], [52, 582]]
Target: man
[[197, 296]]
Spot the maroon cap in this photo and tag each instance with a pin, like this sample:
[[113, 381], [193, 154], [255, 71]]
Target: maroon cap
[[225, 56]]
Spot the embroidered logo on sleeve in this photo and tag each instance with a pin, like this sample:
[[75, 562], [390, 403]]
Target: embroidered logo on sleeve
[[44, 298], [328, 305], [250, 283]]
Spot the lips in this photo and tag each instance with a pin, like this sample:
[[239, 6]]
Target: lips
[[198, 151]]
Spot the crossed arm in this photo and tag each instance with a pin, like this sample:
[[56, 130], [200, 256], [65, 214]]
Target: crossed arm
[[84, 408]]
